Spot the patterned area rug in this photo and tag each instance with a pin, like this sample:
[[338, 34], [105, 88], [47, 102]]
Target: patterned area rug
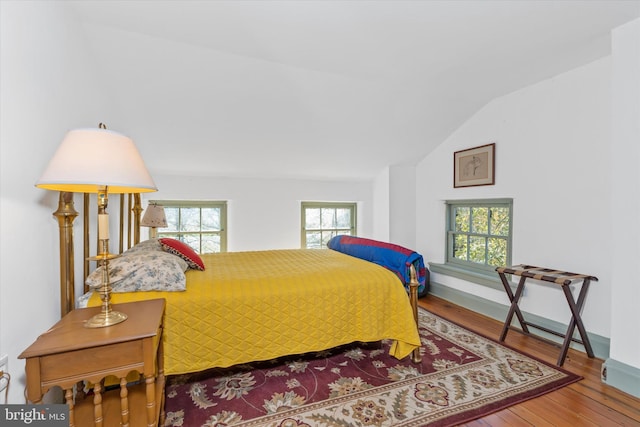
[[462, 376]]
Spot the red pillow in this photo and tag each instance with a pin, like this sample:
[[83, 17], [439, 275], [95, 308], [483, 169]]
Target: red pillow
[[184, 251]]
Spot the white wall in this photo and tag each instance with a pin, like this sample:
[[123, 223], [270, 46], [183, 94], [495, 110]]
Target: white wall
[[552, 157], [402, 205], [394, 206], [265, 213], [625, 197], [381, 205], [47, 87]]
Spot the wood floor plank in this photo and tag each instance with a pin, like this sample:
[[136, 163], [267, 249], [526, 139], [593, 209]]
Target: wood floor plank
[[530, 416], [591, 409], [556, 414], [506, 418], [589, 402], [613, 399]]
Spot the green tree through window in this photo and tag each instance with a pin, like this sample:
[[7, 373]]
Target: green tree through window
[[479, 233]]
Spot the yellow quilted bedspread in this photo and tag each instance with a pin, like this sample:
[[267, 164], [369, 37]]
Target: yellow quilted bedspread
[[249, 306]]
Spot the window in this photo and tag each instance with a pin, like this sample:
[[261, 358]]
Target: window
[[479, 234], [200, 224], [322, 221]]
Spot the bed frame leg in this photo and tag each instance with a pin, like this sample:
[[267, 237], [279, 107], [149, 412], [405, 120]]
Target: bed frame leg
[[413, 298]]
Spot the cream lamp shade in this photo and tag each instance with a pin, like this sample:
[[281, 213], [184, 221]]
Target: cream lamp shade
[[154, 217], [98, 161], [89, 159]]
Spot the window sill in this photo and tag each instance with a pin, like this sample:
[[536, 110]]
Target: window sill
[[490, 280]]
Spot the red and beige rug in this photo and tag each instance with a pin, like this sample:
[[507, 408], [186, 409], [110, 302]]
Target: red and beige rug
[[462, 376]]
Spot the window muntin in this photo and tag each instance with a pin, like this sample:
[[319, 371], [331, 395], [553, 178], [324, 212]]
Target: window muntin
[[200, 224], [479, 233], [322, 221]]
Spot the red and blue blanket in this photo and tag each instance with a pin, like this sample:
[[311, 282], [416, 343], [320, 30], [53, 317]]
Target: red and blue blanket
[[390, 256]]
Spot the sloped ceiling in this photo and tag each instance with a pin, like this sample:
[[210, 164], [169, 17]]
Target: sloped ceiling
[[324, 89]]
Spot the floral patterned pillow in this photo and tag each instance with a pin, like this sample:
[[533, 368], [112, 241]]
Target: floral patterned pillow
[[143, 271], [145, 245]]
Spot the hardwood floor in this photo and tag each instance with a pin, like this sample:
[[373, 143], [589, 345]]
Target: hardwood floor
[[588, 402]]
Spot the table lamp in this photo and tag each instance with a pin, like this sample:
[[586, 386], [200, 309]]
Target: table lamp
[[153, 218], [97, 160]]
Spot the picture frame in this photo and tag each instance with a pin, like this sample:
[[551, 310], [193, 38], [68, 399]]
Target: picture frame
[[474, 166]]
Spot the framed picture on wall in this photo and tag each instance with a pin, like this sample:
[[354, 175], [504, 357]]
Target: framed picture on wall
[[474, 166]]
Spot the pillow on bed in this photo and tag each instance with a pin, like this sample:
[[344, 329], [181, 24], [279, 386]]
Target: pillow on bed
[[146, 245], [143, 271], [184, 251]]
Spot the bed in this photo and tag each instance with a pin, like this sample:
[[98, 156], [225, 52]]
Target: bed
[[249, 306]]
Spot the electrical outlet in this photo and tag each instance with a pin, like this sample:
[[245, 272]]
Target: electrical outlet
[[4, 363]]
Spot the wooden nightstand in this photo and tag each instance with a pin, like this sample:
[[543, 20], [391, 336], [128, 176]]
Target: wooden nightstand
[[69, 353]]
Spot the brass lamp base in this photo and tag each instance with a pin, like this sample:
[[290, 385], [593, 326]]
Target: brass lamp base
[[106, 317], [102, 320]]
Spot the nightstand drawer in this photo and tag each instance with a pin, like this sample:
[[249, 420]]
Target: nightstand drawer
[[93, 364]]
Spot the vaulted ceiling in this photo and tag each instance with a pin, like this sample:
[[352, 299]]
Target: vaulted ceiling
[[324, 89]]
